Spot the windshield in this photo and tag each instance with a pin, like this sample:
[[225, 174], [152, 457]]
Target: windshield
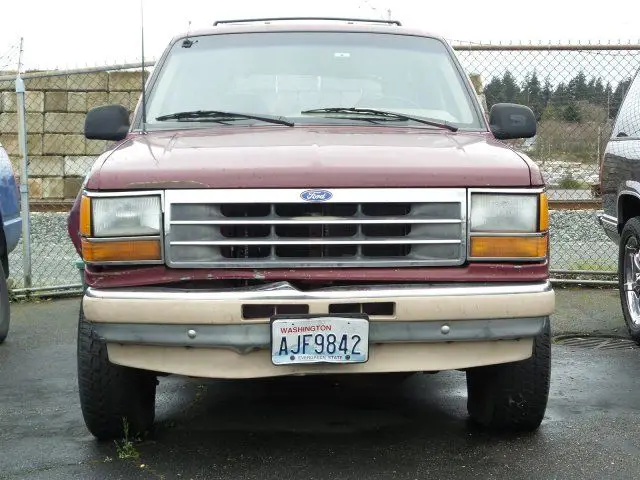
[[286, 73]]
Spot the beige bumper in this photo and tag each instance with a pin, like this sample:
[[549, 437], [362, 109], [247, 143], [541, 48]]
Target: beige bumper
[[411, 303], [204, 334], [407, 357]]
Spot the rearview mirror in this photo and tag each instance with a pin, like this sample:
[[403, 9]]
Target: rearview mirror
[[108, 122], [509, 120]]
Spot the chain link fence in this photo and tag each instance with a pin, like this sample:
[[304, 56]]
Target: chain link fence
[[59, 157], [575, 92]]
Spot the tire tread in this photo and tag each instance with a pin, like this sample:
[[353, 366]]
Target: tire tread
[[110, 393], [512, 396]]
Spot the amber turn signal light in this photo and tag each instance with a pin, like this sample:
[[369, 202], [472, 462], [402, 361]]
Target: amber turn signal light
[[544, 213], [85, 216], [509, 247], [121, 251]]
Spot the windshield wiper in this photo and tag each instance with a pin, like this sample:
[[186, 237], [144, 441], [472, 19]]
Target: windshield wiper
[[219, 115], [382, 113]]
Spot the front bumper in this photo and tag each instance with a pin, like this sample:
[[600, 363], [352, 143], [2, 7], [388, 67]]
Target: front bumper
[[432, 327]]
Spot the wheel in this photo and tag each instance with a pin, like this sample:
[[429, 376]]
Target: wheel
[[629, 276], [5, 308], [512, 396], [111, 394]]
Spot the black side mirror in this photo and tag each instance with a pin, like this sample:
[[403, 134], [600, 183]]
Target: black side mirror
[[509, 120], [108, 122]]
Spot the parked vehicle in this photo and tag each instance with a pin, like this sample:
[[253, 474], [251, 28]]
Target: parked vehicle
[[620, 218], [312, 199], [9, 234]]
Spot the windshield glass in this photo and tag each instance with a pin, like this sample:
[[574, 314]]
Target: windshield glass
[[286, 73]]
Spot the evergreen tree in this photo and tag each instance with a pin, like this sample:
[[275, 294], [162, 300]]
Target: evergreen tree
[[606, 100], [577, 87], [493, 92], [510, 89], [597, 96], [561, 96], [547, 92], [571, 113], [532, 94], [618, 96]]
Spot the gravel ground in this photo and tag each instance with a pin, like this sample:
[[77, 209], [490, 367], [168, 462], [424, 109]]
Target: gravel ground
[[577, 243], [52, 253]]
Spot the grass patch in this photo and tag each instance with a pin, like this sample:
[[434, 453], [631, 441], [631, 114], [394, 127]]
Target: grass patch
[[572, 184], [593, 266], [126, 448]]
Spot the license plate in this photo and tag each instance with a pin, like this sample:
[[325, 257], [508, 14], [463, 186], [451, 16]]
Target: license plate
[[321, 339]]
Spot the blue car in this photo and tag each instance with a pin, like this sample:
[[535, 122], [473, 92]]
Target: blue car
[[9, 233]]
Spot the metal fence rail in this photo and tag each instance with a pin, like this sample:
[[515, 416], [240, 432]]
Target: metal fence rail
[[574, 90]]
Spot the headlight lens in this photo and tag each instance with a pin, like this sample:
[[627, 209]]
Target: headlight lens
[[504, 213], [126, 216]]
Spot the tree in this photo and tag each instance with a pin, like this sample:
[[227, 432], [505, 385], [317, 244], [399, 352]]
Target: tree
[[510, 89], [532, 94], [547, 92], [597, 94], [571, 113], [493, 92], [577, 87], [561, 95], [608, 93], [618, 96]]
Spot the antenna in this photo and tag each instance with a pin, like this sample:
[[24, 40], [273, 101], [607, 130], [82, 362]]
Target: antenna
[[20, 56], [144, 93], [187, 42]]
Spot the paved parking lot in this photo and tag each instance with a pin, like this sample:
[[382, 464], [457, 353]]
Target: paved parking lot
[[307, 428]]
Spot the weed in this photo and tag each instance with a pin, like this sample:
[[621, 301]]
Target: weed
[[572, 184], [125, 448]]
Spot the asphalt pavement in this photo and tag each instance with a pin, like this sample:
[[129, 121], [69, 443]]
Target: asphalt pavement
[[314, 429]]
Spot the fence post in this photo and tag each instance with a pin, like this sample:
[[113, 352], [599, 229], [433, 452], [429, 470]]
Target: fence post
[[24, 181]]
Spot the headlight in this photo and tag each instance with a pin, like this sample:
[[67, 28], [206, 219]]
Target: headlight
[[126, 216], [121, 229], [508, 226], [504, 213]]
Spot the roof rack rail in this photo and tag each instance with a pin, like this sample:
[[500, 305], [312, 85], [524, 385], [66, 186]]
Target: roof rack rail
[[335, 19]]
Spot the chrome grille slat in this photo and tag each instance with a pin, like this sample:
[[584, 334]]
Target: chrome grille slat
[[320, 220], [269, 241], [222, 229]]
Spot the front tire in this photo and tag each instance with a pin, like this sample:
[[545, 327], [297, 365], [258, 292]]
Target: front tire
[[512, 396], [5, 308], [629, 276], [111, 395]]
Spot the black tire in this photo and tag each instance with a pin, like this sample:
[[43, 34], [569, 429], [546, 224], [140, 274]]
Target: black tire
[[630, 231], [111, 394], [5, 308], [512, 396]]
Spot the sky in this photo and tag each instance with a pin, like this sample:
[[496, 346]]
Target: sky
[[81, 33]]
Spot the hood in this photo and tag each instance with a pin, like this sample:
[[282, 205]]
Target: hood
[[311, 157]]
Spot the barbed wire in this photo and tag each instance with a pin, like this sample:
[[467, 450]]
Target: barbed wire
[[9, 57]]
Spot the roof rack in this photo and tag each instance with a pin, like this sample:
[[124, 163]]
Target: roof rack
[[335, 19]]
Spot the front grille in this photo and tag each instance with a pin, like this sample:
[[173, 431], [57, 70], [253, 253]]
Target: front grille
[[409, 227]]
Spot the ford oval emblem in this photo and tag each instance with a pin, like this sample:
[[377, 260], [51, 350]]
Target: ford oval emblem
[[316, 195]]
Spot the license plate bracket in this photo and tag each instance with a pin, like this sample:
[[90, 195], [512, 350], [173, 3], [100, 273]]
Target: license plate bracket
[[319, 338]]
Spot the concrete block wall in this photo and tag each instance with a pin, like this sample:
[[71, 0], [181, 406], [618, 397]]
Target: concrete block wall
[[59, 154]]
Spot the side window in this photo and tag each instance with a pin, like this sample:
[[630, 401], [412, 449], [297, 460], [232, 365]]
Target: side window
[[628, 121]]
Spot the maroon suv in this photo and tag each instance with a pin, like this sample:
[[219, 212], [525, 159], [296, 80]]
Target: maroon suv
[[297, 198]]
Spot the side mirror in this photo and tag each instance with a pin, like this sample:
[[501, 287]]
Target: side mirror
[[509, 120], [108, 122]]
